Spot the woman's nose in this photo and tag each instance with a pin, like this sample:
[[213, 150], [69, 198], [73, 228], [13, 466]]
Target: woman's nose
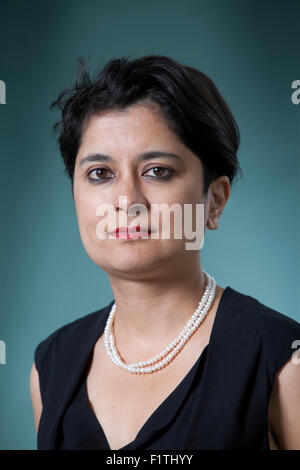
[[130, 197]]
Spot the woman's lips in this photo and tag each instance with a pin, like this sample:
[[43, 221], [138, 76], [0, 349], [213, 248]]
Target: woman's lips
[[130, 233]]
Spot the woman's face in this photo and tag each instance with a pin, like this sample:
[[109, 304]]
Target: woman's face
[[123, 136]]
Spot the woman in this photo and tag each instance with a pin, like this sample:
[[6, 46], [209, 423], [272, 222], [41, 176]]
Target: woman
[[175, 361]]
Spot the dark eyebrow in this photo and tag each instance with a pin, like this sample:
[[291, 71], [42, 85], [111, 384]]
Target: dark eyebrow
[[98, 157]]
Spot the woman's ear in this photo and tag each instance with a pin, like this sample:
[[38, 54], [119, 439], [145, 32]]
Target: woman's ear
[[219, 193]]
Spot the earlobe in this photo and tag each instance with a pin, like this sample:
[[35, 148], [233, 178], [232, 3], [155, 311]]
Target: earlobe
[[212, 224], [213, 219]]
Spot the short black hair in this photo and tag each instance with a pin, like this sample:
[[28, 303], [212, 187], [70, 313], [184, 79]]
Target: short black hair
[[186, 97]]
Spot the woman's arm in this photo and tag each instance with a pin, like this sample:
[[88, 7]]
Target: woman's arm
[[284, 407], [35, 395]]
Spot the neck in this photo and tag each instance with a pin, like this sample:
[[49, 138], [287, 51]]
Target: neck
[[151, 313]]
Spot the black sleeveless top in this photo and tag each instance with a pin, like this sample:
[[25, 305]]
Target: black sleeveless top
[[221, 403]]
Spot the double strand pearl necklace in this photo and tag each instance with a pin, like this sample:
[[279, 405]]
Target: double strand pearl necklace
[[166, 356]]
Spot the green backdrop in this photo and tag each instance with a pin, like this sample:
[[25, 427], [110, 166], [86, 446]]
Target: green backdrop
[[250, 50]]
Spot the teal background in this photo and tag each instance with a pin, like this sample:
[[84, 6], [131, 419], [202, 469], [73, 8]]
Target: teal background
[[250, 50]]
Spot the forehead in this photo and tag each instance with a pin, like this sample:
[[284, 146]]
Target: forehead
[[132, 131], [135, 123]]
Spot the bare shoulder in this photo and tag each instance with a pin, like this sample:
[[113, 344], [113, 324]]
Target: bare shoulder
[[36, 399], [284, 406]]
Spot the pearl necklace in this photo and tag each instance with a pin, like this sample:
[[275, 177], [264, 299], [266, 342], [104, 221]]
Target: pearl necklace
[[173, 348]]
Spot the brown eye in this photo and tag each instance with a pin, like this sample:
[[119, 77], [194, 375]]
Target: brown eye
[[99, 173], [160, 172]]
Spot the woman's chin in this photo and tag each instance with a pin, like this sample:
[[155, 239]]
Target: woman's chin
[[128, 264]]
